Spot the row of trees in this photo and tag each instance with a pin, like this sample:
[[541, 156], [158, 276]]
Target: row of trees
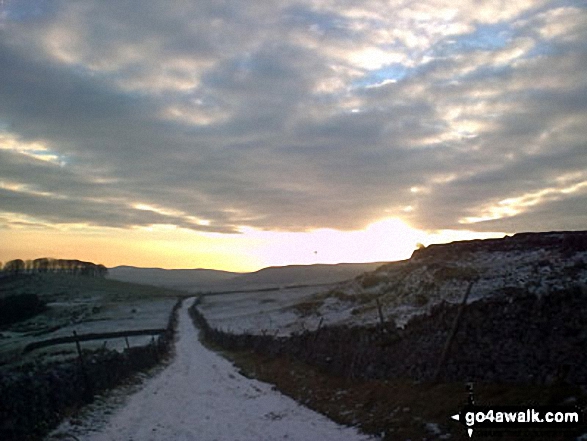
[[48, 265]]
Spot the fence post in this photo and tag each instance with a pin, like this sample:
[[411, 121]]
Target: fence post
[[311, 344], [453, 331], [79, 351], [88, 393], [154, 348], [318, 329], [381, 319]]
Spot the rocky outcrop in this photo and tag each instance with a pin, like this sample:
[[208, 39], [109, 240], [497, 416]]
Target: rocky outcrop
[[563, 241]]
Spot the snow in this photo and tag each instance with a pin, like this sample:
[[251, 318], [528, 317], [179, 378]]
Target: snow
[[86, 314], [201, 396], [260, 312]]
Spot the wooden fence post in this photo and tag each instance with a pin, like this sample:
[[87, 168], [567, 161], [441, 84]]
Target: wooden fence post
[[154, 348], [318, 329], [88, 393], [381, 318], [79, 350], [453, 331], [311, 344]]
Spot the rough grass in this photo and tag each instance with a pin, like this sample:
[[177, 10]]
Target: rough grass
[[393, 409], [312, 306], [307, 308], [15, 308], [360, 298], [446, 273]]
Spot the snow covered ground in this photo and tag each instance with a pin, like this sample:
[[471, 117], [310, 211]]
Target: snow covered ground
[[84, 305], [201, 396], [257, 312], [106, 317]]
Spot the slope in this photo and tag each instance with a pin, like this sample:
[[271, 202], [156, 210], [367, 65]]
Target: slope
[[170, 278]]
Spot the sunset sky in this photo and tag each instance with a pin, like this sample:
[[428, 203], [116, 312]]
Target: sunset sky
[[241, 134]]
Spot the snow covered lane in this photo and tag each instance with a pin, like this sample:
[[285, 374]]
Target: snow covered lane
[[200, 396]]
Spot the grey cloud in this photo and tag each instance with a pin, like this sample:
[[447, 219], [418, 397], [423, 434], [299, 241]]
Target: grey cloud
[[282, 155], [564, 214], [324, 24], [528, 174], [92, 212], [44, 101]]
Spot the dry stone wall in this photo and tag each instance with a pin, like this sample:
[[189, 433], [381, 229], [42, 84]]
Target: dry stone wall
[[514, 336], [34, 398]]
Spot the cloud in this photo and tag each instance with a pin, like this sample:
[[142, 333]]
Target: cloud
[[295, 116]]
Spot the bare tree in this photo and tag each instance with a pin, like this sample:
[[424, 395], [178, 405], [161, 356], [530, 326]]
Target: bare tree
[[14, 267]]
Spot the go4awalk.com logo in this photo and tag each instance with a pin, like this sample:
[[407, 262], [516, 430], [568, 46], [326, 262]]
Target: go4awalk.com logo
[[501, 419], [519, 418]]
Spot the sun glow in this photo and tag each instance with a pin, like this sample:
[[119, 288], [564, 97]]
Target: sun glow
[[385, 240], [164, 246], [171, 246]]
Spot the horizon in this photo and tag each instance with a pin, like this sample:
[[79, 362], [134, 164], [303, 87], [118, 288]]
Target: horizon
[[402, 251], [241, 136], [383, 262]]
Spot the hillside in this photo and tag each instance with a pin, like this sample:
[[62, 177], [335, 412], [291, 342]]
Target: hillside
[[174, 278], [82, 304], [215, 280], [292, 275], [534, 263]]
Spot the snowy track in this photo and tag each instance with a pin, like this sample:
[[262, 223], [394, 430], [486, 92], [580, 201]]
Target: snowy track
[[200, 396]]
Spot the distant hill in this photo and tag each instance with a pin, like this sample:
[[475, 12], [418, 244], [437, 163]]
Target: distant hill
[[174, 278], [303, 274], [214, 280]]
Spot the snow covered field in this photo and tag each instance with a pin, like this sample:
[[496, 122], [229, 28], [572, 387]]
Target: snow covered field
[[271, 312], [201, 396], [85, 305]]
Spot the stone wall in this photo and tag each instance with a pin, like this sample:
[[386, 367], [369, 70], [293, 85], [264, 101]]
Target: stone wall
[[34, 398], [513, 337]]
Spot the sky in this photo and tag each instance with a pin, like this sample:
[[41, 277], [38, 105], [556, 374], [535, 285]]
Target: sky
[[237, 135]]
